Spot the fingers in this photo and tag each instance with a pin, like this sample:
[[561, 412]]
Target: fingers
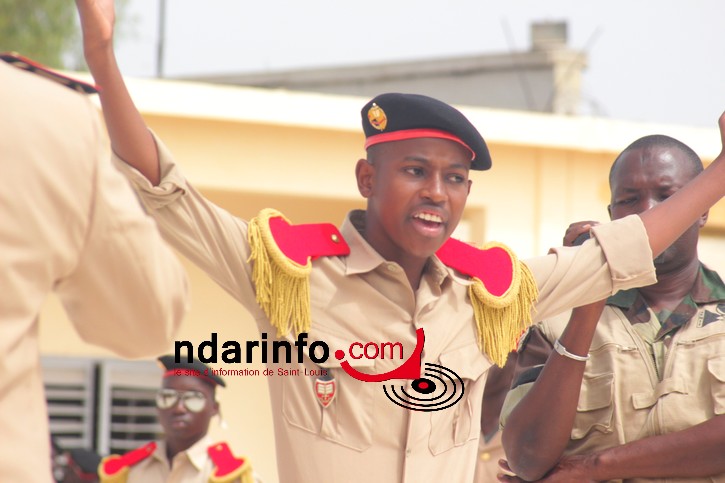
[[97, 24], [508, 479], [506, 475], [576, 229]]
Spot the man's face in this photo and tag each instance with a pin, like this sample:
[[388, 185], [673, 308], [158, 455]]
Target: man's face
[[416, 191], [180, 425], [645, 177]]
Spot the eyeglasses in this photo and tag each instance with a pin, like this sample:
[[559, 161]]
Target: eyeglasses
[[193, 401]]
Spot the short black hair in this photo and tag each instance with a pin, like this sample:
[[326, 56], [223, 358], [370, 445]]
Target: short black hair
[[661, 140]]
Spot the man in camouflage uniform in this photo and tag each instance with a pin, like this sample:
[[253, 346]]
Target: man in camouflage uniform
[[646, 403]]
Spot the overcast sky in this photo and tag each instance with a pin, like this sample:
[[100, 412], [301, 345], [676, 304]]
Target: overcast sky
[[649, 60]]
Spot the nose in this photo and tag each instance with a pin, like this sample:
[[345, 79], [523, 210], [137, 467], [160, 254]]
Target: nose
[[179, 407], [435, 189]]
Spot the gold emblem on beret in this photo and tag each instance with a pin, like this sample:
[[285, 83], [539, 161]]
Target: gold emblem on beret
[[377, 117]]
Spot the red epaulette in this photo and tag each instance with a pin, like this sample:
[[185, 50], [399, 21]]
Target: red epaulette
[[13, 58], [115, 468], [281, 254], [301, 243], [493, 265], [502, 293], [228, 467]]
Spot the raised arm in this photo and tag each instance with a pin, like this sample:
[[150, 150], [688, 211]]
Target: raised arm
[[130, 137]]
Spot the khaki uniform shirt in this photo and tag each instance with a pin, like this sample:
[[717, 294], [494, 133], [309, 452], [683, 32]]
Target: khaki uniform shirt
[[489, 452], [70, 225], [628, 391], [191, 466], [362, 436]]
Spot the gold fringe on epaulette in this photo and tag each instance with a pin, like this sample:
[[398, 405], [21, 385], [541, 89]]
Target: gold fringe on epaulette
[[282, 285], [120, 476], [243, 474], [502, 320]]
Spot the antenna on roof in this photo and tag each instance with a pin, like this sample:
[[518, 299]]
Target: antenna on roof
[[523, 79], [570, 68]]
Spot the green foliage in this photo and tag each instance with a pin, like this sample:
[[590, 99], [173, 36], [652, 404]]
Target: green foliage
[[43, 30], [47, 31]]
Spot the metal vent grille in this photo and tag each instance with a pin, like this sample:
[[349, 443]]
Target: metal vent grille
[[69, 391], [101, 404], [127, 409]]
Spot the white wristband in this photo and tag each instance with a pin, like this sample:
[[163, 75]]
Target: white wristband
[[562, 351]]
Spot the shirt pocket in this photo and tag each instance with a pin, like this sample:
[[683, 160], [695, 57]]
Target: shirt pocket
[[348, 419], [716, 368], [595, 408], [457, 425]]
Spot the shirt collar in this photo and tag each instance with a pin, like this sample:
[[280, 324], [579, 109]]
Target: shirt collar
[[364, 258], [196, 454]]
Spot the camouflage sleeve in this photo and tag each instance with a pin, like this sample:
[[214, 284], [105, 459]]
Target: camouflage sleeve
[[533, 351]]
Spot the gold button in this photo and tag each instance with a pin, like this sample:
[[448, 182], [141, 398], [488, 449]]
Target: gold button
[[335, 238], [485, 456]]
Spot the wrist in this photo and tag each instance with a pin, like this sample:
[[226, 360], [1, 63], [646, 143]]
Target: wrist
[[596, 467], [561, 350], [98, 53]]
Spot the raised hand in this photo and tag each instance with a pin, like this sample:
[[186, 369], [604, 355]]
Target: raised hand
[[576, 229], [721, 125], [97, 21], [130, 137]]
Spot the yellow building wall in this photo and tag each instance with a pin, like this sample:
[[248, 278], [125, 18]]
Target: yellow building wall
[[527, 200]]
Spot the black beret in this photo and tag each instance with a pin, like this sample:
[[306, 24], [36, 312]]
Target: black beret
[[394, 116], [207, 374], [86, 459]]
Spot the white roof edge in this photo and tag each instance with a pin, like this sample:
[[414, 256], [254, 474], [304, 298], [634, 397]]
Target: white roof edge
[[585, 133], [341, 113]]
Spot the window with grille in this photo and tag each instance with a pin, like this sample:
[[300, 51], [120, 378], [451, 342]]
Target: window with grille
[[69, 390], [101, 404]]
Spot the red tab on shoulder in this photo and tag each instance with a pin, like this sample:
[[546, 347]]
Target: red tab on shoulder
[[114, 463], [24, 63], [502, 293], [227, 466], [302, 242], [493, 265]]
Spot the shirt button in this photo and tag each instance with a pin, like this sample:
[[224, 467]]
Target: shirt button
[[485, 456], [392, 268], [407, 452]]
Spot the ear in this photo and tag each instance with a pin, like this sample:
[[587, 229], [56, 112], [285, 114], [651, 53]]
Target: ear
[[215, 408], [470, 183], [364, 172], [703, 219]]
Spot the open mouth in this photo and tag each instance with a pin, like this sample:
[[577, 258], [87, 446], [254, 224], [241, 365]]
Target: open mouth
[[429, 224]]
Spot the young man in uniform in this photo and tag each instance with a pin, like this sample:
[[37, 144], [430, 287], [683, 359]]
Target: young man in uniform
[[186, 404], [70, 226], [387, 275], [638, 395]]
